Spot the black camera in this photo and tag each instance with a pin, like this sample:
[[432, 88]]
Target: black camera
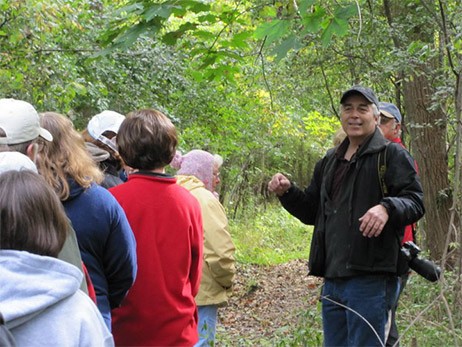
[[424, 267]]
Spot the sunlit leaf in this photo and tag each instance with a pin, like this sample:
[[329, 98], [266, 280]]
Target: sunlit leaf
[[272, 30], [268, 12]]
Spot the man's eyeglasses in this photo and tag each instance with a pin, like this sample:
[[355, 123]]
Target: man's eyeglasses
[[385, 120]]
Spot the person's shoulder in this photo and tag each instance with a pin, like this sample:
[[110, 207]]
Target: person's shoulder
[[99, 192], [330, 152], [395, 148], [398, 156], [110, 181], [185, 196], [184, 193], [207, 198]]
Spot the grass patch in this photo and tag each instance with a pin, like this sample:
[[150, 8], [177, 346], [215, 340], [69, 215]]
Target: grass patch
[[270, 236]]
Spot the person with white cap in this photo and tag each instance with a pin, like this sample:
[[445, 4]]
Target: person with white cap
[[357, 229], [99, 137], [20, 131], [19, 122]]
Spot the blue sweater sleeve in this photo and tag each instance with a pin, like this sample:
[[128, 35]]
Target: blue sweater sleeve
[[120, 257]]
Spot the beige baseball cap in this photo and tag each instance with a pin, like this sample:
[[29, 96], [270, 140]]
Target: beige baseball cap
[[21, 122]]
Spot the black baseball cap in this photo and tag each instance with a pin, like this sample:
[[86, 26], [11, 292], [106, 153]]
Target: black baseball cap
[[364, 91]]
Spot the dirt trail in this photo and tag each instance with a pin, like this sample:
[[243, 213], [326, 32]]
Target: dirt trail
[[266, 299]]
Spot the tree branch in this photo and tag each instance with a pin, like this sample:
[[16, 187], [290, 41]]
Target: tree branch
[[262, 59]]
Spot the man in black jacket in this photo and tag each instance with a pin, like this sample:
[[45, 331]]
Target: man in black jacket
[[358, 223]]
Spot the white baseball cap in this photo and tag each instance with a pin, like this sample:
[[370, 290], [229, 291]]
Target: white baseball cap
[[15, 161], [104, 121], [21, 122]]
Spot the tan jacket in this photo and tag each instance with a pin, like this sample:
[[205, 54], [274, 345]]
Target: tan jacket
[[218, 269]]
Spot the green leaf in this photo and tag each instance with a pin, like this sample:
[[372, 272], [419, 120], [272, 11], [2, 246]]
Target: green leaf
[[227, 17], [304, 4], [193, 5], [209, 60], [202, 34], [327, 34], [337, 27], [207, 18], [313, 22], [79, 88], [281, 50], [172, 37], [340, 26], [268, 12], [346, 12], [272, 30], [132, 34], [136, 8], [240, 40], [200, 7], [163, 11], [197, 75]]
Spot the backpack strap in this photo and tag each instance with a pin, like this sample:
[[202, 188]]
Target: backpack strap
[[381, 169]]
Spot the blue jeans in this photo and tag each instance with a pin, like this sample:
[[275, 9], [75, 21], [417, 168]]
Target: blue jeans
[[393, 336], [356, 310], [207, 325]]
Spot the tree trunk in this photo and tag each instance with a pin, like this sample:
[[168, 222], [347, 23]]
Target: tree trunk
[[427, 123], [428, 132]]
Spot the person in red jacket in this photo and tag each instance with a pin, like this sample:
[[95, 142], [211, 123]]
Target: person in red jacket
[[166, 220], [390, 124]]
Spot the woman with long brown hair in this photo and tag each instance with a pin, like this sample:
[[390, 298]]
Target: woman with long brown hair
[[106, 241]]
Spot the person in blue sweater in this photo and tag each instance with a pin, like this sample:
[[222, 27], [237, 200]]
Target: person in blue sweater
[[106, 241]]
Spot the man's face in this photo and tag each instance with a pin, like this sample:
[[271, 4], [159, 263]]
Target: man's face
[[357, 117], [390, 127]]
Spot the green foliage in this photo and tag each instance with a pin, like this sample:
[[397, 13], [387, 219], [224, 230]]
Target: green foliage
[[320, 128], [423, 316], [270, 236], [308, 332], [217, 35]]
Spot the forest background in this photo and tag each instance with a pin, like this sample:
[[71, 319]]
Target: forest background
[[259, 82]]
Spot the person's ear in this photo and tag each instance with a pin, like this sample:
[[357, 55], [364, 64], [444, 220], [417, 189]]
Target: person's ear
[[32, 151]]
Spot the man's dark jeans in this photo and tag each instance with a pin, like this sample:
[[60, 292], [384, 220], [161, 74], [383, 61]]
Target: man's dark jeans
[[356, 311]]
